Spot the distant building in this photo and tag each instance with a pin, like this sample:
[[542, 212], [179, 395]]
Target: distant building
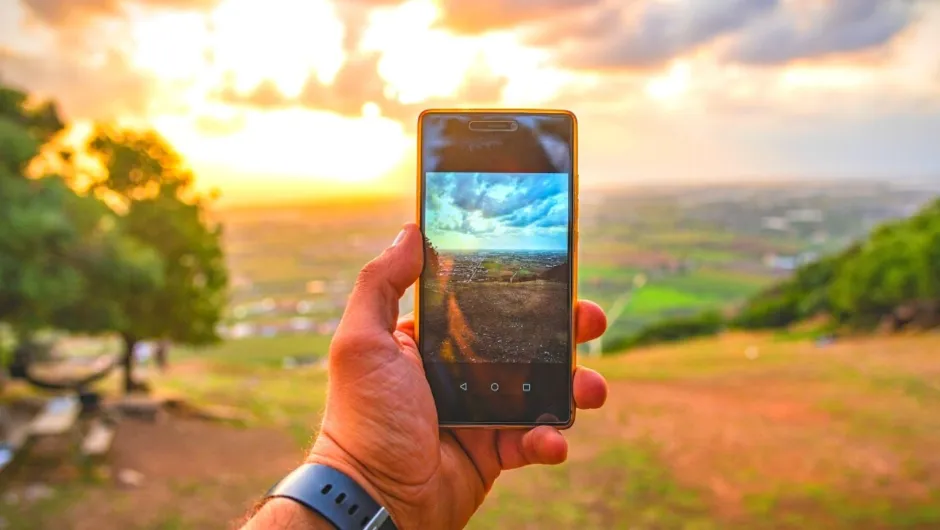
[[302, 324], [805, 215], [780, 263], [819, 238], [780, 224], [241, 330], [789, 263]]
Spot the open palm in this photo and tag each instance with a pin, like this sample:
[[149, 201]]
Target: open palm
[[380, 425]]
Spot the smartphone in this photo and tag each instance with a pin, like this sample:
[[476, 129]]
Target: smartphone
[[498, 206]]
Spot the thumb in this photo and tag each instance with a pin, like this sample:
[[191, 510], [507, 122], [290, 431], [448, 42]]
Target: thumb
[[373, 305]]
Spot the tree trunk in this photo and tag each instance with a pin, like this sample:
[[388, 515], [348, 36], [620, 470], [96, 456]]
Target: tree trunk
[[162, 353], [129, 344]]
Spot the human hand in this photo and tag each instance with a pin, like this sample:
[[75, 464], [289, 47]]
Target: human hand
[[380, 426]]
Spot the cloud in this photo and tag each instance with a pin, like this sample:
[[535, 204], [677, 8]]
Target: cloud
[[58, 12], [647, 34], [358, 83], [839, 26], [354, 14], [550, 212], [479, 16], [518, 199], [103, 90], [497, 210]]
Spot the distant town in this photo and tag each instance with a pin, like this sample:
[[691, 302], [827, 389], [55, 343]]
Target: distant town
[[694, 247]]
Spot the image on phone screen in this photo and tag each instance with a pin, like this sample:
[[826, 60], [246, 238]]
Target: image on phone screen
[[495, 294]]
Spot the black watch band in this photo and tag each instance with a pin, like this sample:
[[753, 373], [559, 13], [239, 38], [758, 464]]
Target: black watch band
[[333, 495]]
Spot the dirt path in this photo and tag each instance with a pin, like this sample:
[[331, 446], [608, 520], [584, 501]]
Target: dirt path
[[206, 475]]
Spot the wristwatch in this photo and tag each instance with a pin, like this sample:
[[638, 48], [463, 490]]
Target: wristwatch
[[335, 497]]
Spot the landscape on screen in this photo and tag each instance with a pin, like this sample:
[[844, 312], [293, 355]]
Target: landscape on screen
[[496, 281]]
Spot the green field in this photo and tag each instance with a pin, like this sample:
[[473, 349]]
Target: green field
[[694, 436], [696, 254]]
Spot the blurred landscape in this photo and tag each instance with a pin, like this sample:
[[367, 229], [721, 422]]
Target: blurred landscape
[[184, 210], [772, 429], [692, 248]]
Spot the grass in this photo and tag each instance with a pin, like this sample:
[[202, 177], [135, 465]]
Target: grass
[[696, 436], [667, 296], [718, 283], [657, 298], [268, 396], [40, 514], [625, 479], [618, 273], [258, 351]]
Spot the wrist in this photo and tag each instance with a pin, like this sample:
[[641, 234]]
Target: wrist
[[327, 452]]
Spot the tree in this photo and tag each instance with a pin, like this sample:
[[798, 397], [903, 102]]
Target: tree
[[895, 271], [891, 270], [149, 184], [57, 247], [432, 260]]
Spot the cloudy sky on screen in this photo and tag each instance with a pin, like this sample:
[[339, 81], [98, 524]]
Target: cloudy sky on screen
[[497, 210]]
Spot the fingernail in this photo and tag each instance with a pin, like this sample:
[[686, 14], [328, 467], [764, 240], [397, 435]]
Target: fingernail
[[398, 238]]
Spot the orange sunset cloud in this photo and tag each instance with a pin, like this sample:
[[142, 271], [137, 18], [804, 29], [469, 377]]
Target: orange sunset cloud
[[314, 98]]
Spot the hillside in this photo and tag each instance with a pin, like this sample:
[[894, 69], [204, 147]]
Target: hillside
[[750, 432], [742, 431], [888, 281]]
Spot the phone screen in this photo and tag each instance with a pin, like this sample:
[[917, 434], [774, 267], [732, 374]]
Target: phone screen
[[495, 296]]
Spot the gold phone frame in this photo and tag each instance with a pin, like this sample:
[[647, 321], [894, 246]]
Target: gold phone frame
[[575, 242]]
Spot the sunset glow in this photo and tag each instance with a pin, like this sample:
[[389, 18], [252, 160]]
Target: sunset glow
[[290, 98]]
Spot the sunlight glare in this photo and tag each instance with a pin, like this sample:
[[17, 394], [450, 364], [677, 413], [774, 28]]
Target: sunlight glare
[[308, 147], [421, 61], [828, 77], [280, 40], [418, 62], [181, 57], [673, 85]]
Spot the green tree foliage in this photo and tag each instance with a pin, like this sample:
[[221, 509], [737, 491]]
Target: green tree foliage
[[161, 211], [52, 240], [432, 260], [802, 296], [671, 330], [898, 266], [151, 267]]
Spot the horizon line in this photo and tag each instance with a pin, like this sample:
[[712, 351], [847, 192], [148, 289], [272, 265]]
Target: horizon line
[[241, 201], [507, 249]]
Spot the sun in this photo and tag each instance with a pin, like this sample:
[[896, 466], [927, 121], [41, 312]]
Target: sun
[[242, 43], [672, 86], [239, 44]]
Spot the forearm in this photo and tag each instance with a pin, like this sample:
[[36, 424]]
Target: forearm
[[285, 514]]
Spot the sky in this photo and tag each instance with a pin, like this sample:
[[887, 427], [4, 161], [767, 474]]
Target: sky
[[318, 98], [519, 211]]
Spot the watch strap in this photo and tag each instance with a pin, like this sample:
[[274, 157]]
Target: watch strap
[[335, 496]]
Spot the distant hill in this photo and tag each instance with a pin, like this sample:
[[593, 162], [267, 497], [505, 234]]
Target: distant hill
[[558, 273], [888, 281], [891, 279]]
